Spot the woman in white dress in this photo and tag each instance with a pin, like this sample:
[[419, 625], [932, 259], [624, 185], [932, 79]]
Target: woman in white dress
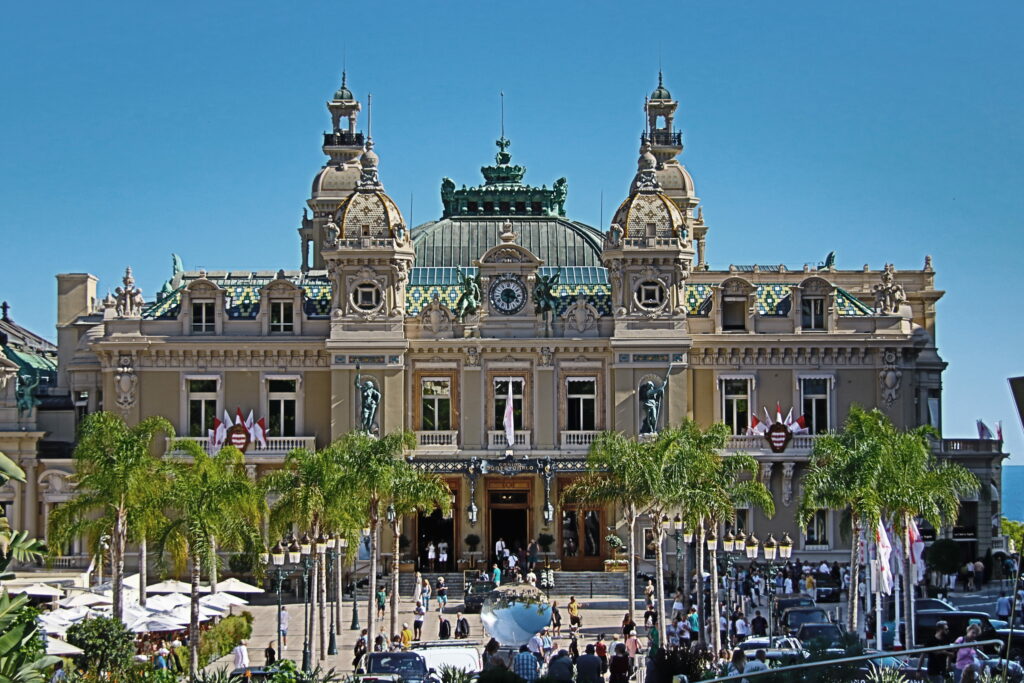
[[431, 555], [417, 588]]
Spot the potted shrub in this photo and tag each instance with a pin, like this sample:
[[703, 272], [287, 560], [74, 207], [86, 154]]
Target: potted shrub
[[615, 543], [618, 565], [545, 541], [472, 541]]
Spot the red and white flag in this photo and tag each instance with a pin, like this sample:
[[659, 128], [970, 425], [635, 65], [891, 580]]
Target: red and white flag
[[916, 552], [756, 428], [767, 418], [799, 425], [999, 431], [239, 420], [883, 551], [259, 432], [778, 412], [510, 418]]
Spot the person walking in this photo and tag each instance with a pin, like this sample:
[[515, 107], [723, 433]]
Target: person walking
[[442, 556], [758, 625], [359, 649], [533, 553], [966, 657], [556, 619], [938, 661], [283, 617], [442, 594], [269, 654], [444, 628], [461, 626], [417, 621], [1003, 606], [425, 593], [588, 666], [525, 665], [406, 636], [241, 655], [561, 668], [382, 601], [431, 556], [619, 665], [575, 618], [496, 573], [417, 588]]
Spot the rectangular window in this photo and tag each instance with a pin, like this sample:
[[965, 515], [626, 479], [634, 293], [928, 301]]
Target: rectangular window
[[282, 318], [815, 394], [203, 317], [812, 313], [817, 529], [435, 405], [202, 406], [581, 408], [501, 398], [736, 404], [281, 395], [734, 314]]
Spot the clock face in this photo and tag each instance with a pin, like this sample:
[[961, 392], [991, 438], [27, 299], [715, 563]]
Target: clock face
[[508, 295]]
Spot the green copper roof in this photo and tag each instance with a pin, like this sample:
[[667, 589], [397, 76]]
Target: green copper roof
[[459, 241], [503, 192], [661, 92]]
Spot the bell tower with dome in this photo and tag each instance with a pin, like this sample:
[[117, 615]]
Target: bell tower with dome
[[368, 254], [338, 177], [676, 182]]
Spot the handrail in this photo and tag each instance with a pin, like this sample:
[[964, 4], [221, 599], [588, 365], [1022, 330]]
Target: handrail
[[858, 658]]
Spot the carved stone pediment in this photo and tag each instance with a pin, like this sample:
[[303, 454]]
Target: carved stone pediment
[[737, 286], [436, 318], [509, 253], [816, 286]]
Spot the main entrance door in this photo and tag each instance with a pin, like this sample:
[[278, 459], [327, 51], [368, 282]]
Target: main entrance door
[[509, 519], [582, 540], [435, 528]]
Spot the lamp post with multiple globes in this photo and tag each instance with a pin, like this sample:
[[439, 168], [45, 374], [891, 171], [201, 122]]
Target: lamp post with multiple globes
[[783, 550], [299, 555]]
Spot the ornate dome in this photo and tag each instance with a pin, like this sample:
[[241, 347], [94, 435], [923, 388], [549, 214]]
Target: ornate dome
[[661, 92], [368, 213], [676, 181], [648, 211], [343, 93], [335, 180]]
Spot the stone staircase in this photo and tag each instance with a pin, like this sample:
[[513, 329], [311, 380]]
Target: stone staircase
[[580, 584]]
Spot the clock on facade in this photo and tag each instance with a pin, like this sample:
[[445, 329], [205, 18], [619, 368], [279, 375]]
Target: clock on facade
[[507, 294]]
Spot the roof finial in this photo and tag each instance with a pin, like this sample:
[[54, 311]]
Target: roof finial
[[501, 93], [369, 116], [6, 307]]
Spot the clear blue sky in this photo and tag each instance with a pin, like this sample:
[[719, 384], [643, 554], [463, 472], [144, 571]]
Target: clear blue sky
[[883, 130]]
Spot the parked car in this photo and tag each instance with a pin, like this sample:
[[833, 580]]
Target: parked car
[[461, 654], [830, 634], [779, 650], [795, 617], [827, 589], [958, 621], [783, 601], [476, 593], [394, 667]]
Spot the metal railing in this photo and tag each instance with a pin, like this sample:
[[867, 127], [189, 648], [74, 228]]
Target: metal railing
[[858, 658], [343, 139]]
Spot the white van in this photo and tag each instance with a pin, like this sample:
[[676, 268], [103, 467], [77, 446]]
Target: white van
[[461, 654]]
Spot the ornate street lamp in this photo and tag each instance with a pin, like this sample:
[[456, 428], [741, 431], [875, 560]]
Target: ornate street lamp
[[752, 547], [786, 547]]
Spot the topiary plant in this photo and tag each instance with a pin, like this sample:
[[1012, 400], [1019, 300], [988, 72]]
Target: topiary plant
[[943, 556], [472, 540], [545, 541]]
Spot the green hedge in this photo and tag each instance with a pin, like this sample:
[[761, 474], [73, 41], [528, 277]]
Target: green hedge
[[222, 638]]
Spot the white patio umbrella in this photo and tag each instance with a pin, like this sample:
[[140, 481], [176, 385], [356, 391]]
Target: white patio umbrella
[[59, 648], [184, 613], [165, 602], [174, 586], [40, 590], [157, 624], [233, 585], [86, 600], [223, 600]]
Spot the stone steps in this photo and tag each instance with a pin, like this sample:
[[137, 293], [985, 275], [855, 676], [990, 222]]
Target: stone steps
[[566, 583]]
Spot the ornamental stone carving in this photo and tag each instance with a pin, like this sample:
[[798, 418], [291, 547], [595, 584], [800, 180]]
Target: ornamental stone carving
[[787, 482], [125, 382], [889, 295], [890, 377], [436, 317], [128, 299], [331, 233], [766, 473], [472, 357], [581, 315]]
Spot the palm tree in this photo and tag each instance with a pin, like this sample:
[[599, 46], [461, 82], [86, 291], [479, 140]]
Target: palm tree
[[914, 484], [371, 464], [614, 475], [114, 480], [716, 485], [315, 496], [843, 473], [410, 491], [211, 497]]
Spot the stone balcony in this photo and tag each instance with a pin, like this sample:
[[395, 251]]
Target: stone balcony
[[799, 445], [577, 440], [496, 439], [447, 441], [277, 447]]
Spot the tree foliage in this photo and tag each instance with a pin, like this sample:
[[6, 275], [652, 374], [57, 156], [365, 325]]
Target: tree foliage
[[108, 644], [22, 657]]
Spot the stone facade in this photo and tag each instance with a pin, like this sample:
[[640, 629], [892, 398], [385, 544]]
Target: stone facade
[[623, 328]]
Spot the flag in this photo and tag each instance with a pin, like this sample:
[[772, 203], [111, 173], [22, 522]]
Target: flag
[[756, 428], [983, 431], [218, 434], [916, 552], [239, 420], [767, 417], [799, 425], [259, 431], [999, 431], [883, 550], [778, 412], [510, 418], [249, 423]]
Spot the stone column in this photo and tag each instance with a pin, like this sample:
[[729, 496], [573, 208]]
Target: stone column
[[30, 499]]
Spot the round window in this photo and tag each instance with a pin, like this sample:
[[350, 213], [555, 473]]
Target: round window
[[367, 297], [650, 295]]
